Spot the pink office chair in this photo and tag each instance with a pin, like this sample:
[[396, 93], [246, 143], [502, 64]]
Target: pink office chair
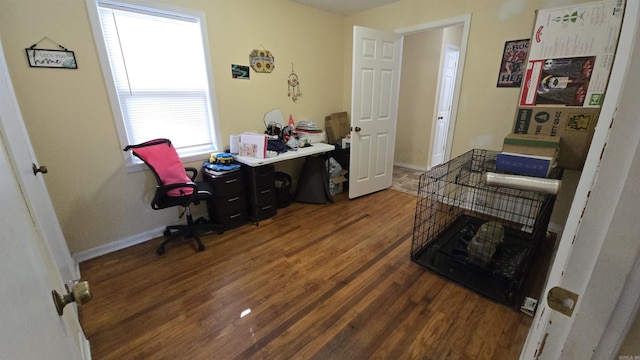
[[175, 188]]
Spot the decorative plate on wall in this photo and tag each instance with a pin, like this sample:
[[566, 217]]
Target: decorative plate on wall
[[262, 61]]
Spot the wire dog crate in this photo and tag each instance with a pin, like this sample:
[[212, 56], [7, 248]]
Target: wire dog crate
[[482, 237]]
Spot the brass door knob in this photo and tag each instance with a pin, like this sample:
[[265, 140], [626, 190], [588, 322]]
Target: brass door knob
[[357, 129], [79, 293]]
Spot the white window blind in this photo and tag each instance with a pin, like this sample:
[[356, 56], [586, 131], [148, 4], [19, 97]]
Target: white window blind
[[158, 66]]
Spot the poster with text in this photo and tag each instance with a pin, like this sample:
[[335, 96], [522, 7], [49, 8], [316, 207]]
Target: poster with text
[[571, 54]]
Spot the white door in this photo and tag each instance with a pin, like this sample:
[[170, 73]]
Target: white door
[[20, 150], [445, 100], [31, 327], [377, 58], [580, 266]]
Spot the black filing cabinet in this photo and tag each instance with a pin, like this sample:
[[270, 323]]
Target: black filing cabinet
[[261, 186], [229, 205]]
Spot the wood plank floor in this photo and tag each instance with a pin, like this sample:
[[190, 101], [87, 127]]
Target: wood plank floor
[[327, 281]]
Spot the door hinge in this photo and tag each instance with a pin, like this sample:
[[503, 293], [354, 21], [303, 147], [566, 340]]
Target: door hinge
[[562, 300]]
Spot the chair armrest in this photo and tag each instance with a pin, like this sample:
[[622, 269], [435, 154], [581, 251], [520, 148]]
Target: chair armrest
[[160, 196], [166, 188], [194, 172]]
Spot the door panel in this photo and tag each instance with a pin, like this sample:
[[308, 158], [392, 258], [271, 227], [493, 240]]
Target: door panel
[[34, 257], [377, 56], [31, 327]]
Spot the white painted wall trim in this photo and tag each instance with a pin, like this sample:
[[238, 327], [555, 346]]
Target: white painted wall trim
[[118, 245]]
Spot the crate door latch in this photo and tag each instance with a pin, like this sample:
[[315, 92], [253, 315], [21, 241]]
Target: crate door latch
[[562, 300]]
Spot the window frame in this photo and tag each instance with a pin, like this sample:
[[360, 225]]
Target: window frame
[[192, 154]]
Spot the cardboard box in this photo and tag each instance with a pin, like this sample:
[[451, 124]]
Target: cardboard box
[[336, 183], [538, 145], [573, 125], [338, 127]]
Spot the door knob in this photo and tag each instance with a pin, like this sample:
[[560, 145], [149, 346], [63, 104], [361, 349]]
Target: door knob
[[42, 169], [562, 300], [79, 293], [357, 129]]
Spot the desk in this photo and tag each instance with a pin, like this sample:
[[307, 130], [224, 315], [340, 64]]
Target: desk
[[317, 148], [261, 178]]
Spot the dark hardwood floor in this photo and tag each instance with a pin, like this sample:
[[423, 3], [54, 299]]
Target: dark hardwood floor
[[327, 281]]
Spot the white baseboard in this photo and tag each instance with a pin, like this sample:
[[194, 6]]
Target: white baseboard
[[118, 245], [410, 166]]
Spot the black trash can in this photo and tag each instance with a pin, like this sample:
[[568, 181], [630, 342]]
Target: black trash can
[[283, 189]]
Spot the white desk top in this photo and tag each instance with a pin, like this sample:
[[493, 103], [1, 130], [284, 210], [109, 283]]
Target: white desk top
[[317, 148]]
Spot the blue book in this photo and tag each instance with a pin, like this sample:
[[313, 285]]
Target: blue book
[[520, 164]]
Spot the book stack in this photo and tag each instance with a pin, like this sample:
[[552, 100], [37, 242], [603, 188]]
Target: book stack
[[529, 155], [308, 130]]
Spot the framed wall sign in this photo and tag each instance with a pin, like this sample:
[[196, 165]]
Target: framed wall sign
[[62, 59]]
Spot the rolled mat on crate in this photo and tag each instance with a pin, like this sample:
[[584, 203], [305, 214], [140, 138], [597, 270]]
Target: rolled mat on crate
[[543, 185]]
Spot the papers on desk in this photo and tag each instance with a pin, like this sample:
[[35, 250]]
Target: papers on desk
[[253, 145]]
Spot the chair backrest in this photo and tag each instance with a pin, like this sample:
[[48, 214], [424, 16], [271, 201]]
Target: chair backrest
[[162, 158]]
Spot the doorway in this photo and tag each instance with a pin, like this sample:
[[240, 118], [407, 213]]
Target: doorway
[[424, 52]]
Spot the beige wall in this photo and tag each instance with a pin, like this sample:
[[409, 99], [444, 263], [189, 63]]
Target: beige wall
[[70, 123]]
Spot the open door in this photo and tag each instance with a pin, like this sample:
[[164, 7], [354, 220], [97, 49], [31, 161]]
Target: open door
[[592, 261], [35, 259], [445, 100], [377, 58]]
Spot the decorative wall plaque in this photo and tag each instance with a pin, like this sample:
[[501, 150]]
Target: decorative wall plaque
[[262, 60]]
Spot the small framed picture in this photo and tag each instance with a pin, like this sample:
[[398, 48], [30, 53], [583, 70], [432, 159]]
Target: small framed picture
[[51, 58]]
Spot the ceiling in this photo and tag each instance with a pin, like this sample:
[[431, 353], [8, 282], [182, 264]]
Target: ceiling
[[344, 7]]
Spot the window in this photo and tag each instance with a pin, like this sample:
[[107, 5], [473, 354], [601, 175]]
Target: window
[[156, 67]]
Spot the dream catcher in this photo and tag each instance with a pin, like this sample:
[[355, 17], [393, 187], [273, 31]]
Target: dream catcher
[[262, 60], [294, 85]]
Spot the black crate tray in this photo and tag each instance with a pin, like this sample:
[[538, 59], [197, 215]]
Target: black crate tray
[[501, 280]]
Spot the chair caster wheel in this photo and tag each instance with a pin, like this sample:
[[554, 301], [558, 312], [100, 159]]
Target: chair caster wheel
[[160, 250], [200, 247], [167, 233]]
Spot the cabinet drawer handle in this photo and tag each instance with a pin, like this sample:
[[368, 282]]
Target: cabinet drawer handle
[[234, 216], [265, 191], [234, 199], [231, 181], [266, 207]]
